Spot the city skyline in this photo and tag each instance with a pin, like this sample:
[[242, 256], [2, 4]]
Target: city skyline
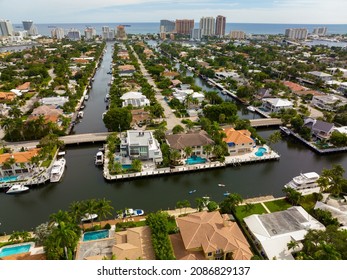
[[246, 11]]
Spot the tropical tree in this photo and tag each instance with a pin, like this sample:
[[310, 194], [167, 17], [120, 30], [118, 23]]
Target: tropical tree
[[177, 129], [200, 203], [104, 208], [292, 195], [331, 180], [229, 204], [136, 165], [212, 206], [188, 151], [274, 137], [175, 155], [41, 233], [20, 236], [208, 150]]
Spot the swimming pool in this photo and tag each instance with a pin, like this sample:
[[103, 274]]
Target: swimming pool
[[95, 235], [126, 166], [8, 179], [14, 249], [260, 152], [195, 160]]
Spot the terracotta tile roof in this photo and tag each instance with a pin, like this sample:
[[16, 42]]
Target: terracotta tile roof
[[293, 86], [170, 74], [7, 96], [305, 92], [20, 157], [211, 232], [24, 86], [126, 68], [237, 136], [180, 141], [81, 60], [180, 252]]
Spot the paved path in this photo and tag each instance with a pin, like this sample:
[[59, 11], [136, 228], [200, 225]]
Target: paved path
[[171, 119]]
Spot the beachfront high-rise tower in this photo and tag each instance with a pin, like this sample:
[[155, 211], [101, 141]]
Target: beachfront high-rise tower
[[184, 26], [207, 26], [6, 28], [220, 25], [30, 27]]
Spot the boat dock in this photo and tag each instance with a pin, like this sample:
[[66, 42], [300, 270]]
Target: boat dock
[[229, 161]]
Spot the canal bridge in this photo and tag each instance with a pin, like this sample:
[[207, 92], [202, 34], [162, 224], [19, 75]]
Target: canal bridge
[[265, 122]]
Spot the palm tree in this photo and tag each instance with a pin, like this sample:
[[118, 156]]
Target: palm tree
[[175, 155], [15, 112], [104, 208], [228, 205], [208, 149], [292, 245], [188, 151]]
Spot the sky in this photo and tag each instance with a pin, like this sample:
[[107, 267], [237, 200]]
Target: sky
[[237, 11]]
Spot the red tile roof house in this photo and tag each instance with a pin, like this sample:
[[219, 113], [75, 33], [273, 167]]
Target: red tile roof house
[[210, 236], [195, 140], [238, 141]]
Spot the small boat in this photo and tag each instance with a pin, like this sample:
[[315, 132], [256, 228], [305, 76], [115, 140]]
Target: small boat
[[57, 170], [224, 92], [89, 217], [107, 97], [221, 185], [99, 158], [192, 191], [86, 97], [133, 212], [80, 114], [251, 108], [226, 193], [285, 130], [103, 114], [17, 188]]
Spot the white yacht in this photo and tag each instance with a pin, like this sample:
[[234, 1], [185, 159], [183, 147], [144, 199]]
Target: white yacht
[[251, 108], [17, 188], [89, 217], [99, 158], [80, 114], [57, 170], [304, 181]]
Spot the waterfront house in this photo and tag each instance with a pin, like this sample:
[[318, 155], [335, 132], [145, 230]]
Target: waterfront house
[[133, 244], [170, 74], [319, 129], [56, 101], [209, 236], [328, 102], [49, 112], [136, 99], [263, 93], [141, 145], [17, 163], [238, 141], [337, 208], [140, 116], [195, 140], [24, 87], [274, 231], [126, 70], [275, 105]]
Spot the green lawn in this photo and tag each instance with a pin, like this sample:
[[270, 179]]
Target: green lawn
[[308, 202], [277, 205], [241, 211]]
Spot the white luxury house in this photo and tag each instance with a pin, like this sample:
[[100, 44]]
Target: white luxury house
[[136, 99], [274, 105]]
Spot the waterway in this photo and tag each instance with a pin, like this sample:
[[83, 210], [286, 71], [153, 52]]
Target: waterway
[[83, 180]]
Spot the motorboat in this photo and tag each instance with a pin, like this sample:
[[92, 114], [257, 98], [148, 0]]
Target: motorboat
[[226, 193], [57, 170], [17, 188], [192, 191], [251, 108], [304, 181], [221, 185], [285, 130], [133, 212], [89, 217], [99, 158], [80, 114], [86, 97]]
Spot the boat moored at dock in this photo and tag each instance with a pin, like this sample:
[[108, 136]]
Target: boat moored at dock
[[17, 188], [304, 181], [99, 158], [57, 170]]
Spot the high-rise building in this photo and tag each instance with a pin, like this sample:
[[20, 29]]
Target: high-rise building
[[207, 26], [296, 33], [30, 27], [237, 35], [196, 34], [6, 28], [184, 26], [74, 35], [167, 26], [220, 25], [58, 33], [107, 33], [121, 34], [320, 31], [89, 33]]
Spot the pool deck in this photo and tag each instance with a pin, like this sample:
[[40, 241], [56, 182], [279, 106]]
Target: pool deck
[[234, 160]]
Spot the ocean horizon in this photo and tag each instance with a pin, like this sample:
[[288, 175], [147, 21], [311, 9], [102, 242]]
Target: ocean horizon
[[153, 27]]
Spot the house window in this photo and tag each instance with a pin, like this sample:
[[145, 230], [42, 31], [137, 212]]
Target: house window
[[209, 254]]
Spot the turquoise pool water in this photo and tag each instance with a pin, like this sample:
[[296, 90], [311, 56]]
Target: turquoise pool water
[[260, 152], [12, 250], [126, 166], [95, 235], [8, 179], [195, 160]]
